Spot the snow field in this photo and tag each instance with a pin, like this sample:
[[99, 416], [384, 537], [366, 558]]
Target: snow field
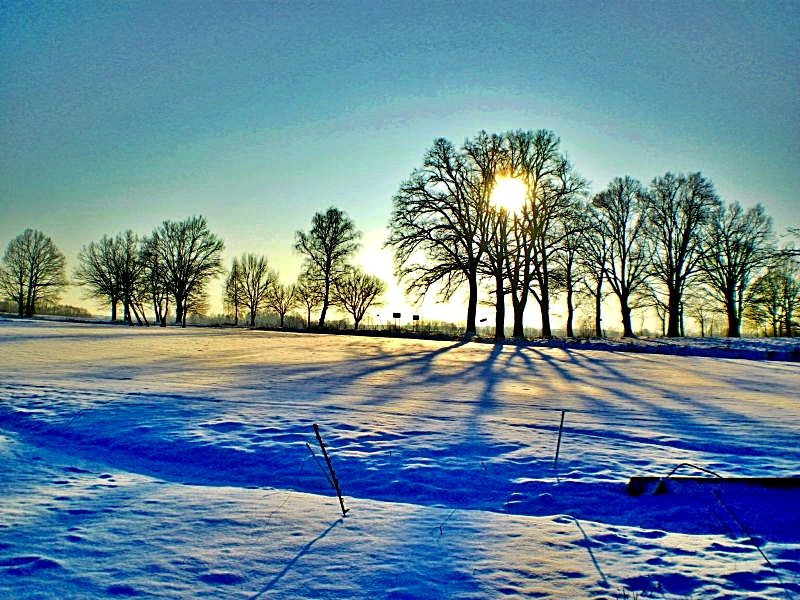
[[173, 463]]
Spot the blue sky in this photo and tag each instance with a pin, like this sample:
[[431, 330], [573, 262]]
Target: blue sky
[[256, 115]]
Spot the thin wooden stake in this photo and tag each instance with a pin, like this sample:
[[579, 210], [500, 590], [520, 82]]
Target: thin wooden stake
[[558, 445], [330, 468]]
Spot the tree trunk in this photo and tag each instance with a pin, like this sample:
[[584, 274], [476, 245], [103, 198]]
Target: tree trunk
[[627, 326], [113, 309], [29, 300], [325, 300], [673, 314], [734, 330], [179, 309], [570, 311], [500, 309], [472, 304], [544, 305], [598, 308], [252, 318], [519, 311]]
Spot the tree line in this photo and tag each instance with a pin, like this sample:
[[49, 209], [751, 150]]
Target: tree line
[[672, 245], [170, 271]]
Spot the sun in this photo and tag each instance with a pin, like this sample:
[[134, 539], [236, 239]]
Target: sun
[[509, 194]]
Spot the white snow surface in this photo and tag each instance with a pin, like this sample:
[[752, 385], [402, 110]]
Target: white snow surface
[[174, 463]]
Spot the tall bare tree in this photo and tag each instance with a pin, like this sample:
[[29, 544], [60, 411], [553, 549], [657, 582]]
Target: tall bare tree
[[534, 157], [332, 239], [437, 225], [356, 292], [554, 222], [33, 271], [190, 255], [622, 220], [736, 245], [256, 281], [678, 208], [487, 156]]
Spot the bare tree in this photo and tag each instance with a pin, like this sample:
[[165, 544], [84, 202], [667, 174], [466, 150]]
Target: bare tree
[[190, 255], [332, 239], [552, 221], [773, 298], [534, 157], [764, 304], [233, 296], [96, 272], [620, 207], [154, 284], [487, 157], [568, 259], [256, 281], [737, 243], [112, 268], [33, 271], [701, 306], [678, 207], [282, 298], [437, 227], [308, 294], [128, 269], [592, 257], [792, 250], [356, 292]]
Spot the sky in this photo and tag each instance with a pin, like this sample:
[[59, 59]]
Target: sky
[[120, 115]]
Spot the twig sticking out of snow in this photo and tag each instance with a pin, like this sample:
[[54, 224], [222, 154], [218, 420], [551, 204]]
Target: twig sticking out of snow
[[558, 445], [332, 480]]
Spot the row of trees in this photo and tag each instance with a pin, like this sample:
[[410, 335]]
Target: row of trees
[[172, 267], [647, 244], [327, 279]]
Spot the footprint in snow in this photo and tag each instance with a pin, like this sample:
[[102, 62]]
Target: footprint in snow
[[221, 578], [224, 426], [121, 590]]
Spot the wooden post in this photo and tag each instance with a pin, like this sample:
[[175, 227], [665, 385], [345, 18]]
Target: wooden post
[[330, 468], [558, 445]]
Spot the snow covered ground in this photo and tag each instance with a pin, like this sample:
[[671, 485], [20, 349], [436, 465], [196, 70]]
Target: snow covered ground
[[173, 463]]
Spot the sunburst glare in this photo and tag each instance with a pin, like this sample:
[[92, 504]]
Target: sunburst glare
[[509, 194]]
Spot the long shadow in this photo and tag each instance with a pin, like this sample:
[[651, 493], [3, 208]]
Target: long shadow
[[588, 545], [303, 551], [680, 421]]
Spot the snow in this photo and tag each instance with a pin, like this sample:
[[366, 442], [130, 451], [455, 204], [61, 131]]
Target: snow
[[173, 463]]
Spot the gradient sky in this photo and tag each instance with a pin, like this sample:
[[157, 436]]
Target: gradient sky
[[118, 115]]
